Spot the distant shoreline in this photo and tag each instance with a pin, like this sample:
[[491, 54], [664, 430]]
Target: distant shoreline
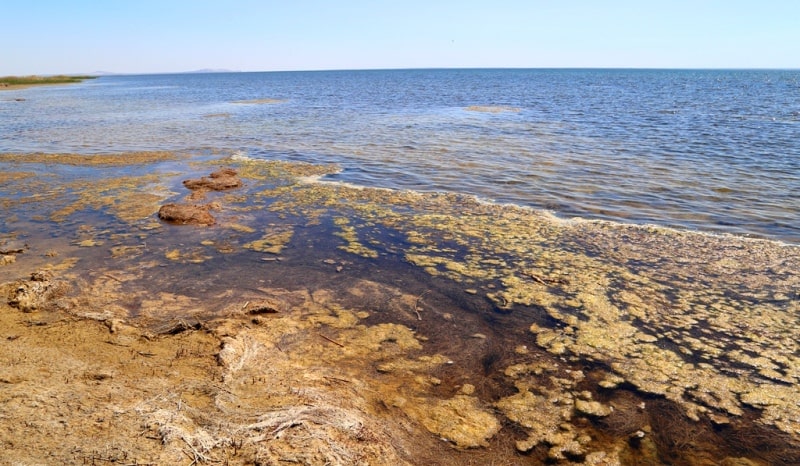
[[9, 83]]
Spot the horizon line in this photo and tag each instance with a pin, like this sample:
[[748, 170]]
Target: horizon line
[[443, 68]]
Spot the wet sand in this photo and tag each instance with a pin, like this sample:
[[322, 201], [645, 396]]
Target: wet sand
[[320, 323]]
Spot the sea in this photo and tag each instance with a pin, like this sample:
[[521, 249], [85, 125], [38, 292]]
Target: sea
[[623, 244], [713, 151]]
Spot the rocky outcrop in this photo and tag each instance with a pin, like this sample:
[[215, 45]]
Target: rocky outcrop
[[187, 214]]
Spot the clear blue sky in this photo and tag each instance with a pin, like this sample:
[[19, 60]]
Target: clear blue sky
[[150, 36]]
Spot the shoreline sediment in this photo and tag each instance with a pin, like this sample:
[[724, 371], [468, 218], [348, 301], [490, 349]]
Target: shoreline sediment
[[379, 321]]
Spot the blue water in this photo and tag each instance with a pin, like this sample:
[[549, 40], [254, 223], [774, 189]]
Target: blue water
[[715, 151]]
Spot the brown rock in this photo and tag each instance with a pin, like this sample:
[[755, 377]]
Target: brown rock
[[220, 180], [185, 214]]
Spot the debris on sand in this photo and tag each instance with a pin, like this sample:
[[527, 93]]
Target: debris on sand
[[34, 294]]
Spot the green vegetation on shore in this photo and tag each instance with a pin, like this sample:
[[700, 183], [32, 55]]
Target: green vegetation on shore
[[36, 80]]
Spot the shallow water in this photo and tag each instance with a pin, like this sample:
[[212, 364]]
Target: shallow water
[[712, 151]]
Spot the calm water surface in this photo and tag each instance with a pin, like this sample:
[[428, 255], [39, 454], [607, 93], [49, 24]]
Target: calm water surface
[[714, 151]]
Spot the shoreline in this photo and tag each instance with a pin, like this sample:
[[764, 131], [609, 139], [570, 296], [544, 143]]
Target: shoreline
[[14, 87], [413, 317], [13, 83]]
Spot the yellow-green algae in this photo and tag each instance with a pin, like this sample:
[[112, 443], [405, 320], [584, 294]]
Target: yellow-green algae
[[274, 240], [192, 256], [676, 314], [707, 322], [119, 159], [6, 177], [131, 198], [348, 233], [346, 346]]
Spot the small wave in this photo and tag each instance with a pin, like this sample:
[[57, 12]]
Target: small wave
[[260, 101], [320, 179], [241, 156], [493, 109]]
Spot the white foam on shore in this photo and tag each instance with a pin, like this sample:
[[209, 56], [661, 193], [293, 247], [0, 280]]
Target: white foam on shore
[[241, 156], [548, 215]]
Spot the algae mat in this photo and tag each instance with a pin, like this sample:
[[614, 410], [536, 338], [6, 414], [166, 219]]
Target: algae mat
[[320, 323]]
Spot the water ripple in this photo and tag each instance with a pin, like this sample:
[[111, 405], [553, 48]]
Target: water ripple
[[707, 150]]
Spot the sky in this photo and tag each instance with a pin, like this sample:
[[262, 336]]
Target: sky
[[162, 36]]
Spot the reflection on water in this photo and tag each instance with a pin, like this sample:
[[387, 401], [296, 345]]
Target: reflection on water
[[705, 150], [643, 333]]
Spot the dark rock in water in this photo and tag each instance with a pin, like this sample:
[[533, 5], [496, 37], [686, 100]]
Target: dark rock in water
[[220, 180], [185, 214]]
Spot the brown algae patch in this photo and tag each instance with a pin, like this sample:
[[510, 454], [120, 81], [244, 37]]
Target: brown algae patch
[[279, 170], [58, 194], [193, 256]]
